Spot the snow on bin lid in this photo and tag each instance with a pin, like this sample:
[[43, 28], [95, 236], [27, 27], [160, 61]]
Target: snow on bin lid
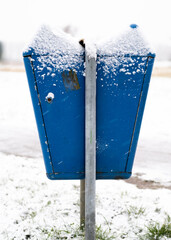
[[131, 42], [55, 50], [56, 42]]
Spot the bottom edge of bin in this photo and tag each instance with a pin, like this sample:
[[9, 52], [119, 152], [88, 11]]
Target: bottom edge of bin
[[65, 176], [81, 176], [113, 175]]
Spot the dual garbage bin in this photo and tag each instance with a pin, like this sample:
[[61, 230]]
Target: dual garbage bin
[[55, 67]]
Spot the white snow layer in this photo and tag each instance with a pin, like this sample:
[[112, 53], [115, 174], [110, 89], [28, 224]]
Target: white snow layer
[[57, 42], [130, 42], [59, 51], [90, 50], [54, 42], [56, 50], [119, 52]]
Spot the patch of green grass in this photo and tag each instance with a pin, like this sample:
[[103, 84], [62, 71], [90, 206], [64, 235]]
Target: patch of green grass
[[135, 211], [76, 187], [158, 210], [104, 234], [156, 231], [33, 214], [53, 233], [48, 203], [75, 232], [124, 236], [70, 232], [124, 194]]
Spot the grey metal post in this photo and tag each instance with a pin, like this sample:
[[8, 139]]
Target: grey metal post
[[90, 151], [82, 203]]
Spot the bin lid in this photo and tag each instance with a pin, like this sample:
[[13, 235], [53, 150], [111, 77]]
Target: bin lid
[[56, 42], [53, 42], [55, 49], [131, 42]]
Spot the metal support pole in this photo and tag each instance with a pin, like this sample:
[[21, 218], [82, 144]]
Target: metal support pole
[[82, 203], [90, 151]]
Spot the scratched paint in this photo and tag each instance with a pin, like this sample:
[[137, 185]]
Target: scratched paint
[[70, 80]]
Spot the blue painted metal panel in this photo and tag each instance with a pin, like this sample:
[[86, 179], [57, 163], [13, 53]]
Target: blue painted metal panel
[[38, 111], [62, 116], [122, 84], [141, 106], [59, 103]]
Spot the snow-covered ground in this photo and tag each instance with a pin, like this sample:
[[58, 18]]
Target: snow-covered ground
[[33, 207]]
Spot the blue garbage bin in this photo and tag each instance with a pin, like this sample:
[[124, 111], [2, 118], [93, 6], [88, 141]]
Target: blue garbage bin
[[56, 74]]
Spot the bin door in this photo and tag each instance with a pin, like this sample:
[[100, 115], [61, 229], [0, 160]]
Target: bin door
[[62, 97], [119, 87]]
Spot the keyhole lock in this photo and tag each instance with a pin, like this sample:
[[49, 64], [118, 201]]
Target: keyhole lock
[[49, 100], [50, 97]]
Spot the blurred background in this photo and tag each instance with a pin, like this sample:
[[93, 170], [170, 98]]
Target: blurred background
[[94, 20], [30, 204], [20, 19]]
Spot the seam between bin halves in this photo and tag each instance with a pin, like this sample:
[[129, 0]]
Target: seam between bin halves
[[42, 116], [136, 115]]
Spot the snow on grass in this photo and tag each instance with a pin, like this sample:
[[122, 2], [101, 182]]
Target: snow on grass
[[31, 204], [17, 123], [33, 207], [154, 153]]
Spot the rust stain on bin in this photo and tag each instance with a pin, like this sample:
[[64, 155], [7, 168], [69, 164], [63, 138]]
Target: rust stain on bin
[[70, 80]]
